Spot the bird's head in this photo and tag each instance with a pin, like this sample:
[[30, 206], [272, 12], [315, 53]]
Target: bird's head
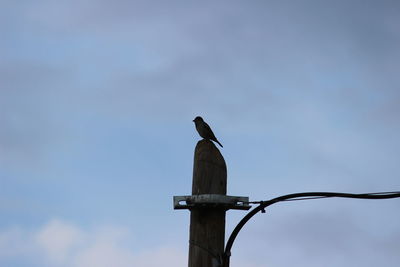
[[198, 119]]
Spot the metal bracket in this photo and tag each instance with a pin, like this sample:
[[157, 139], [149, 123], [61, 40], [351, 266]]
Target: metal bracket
[[211, 200]]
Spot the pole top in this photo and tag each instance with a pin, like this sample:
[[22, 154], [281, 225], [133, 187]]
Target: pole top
[[211, 200]]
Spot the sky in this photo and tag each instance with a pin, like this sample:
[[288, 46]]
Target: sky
[[97, 99]]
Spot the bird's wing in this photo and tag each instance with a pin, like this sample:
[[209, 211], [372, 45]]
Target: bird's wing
[[208, 128]]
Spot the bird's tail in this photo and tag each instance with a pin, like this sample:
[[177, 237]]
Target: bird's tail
[[219, 143]]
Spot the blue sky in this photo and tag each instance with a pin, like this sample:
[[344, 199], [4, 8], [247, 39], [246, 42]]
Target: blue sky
[[97, 99]]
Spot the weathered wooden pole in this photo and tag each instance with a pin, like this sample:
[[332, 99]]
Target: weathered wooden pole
[[208, 205], [207, 224]]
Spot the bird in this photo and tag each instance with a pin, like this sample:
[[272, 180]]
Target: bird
[[204, 130]]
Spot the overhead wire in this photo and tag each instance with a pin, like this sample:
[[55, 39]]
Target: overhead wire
[[297, 197], [375, 195]]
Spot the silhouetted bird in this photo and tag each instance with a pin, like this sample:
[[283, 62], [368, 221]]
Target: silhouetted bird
[[204, 130]]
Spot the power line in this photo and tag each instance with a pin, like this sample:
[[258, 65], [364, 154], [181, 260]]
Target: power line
[[297, 197], [318, 195]]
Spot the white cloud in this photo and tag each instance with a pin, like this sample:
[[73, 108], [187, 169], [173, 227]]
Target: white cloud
[[163, 256], [60, 243], [103, 253], [309, 240], [58, 239]]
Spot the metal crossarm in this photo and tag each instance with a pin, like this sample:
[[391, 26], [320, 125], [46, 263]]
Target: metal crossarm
[[211, 200]]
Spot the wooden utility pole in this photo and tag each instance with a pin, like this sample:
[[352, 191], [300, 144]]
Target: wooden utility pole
[[207, 225], [208, 205]]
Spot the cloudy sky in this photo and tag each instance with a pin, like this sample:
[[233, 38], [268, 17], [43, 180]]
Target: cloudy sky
[[97, 99]]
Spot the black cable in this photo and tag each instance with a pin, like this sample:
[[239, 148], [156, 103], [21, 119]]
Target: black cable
[[376, 195], [294, 197]]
